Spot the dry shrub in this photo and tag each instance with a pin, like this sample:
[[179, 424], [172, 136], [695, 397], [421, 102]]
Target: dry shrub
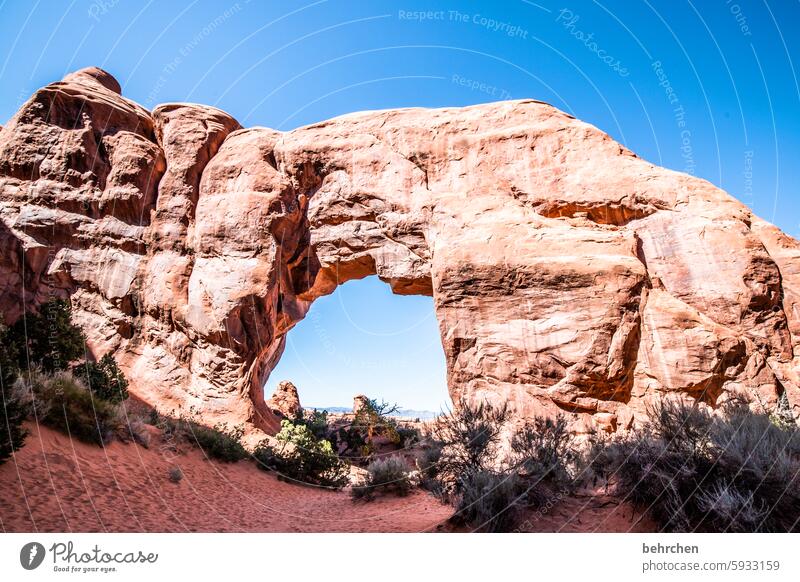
[[697, 472]]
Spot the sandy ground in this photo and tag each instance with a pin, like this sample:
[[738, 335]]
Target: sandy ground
[[587, 513], [55, 484]]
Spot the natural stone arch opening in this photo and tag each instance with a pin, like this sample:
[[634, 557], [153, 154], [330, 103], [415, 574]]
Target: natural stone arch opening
[[566, 272], [365, 339]]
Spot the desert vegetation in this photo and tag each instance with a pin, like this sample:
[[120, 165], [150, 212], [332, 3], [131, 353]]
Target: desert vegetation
[[62, 401], [465, 463], [688, 468], [14, 411], [219, 442], [320, 449], [45, 377], [104, 379], [737, 471], [303, 457], [358, 440], [387, 475], [175, 475]]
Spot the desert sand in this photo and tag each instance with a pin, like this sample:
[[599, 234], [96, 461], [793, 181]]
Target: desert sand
[[56, 484]]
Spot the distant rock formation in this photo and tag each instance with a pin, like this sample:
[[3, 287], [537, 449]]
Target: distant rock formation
[[285, 401], [360, 403], [567, 274]]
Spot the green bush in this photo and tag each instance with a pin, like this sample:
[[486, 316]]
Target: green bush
[[221, 443], [14, 412], [427, 461], [352, 441], [9, 356], [48, 340], [469, 472], [372, 420], [104, 379], [782, 414], [428, 457], [302, 457], [44, 344], [408, 435], [466, 464], [387, 475], [265, 457], [153, 418], [316, 421], [61, 401], [697, 472]]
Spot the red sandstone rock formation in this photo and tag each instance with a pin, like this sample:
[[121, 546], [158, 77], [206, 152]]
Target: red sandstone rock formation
[[285, 401], [567, 274], [360, 403]]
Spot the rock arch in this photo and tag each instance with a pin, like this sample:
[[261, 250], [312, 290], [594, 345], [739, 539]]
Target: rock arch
[[567, 274]]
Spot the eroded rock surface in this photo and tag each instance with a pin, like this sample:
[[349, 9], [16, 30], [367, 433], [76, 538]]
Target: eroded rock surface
[[360, 404], [285, 401], [567, 274]]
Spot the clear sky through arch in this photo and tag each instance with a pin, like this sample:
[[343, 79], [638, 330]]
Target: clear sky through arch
[[363, 339]]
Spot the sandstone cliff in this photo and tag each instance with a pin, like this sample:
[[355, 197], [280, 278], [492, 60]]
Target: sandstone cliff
[[567, 274]]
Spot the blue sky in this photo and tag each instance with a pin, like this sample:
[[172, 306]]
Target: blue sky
[[708, 87]]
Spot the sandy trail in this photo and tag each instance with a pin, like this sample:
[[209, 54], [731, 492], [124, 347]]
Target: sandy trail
[[55, 484], [587, 513]]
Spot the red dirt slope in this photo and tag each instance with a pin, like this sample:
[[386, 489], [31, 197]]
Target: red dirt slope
[[55, 484]]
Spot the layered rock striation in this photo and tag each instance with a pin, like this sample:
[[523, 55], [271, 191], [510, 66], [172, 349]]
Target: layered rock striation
[[567, 273]]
